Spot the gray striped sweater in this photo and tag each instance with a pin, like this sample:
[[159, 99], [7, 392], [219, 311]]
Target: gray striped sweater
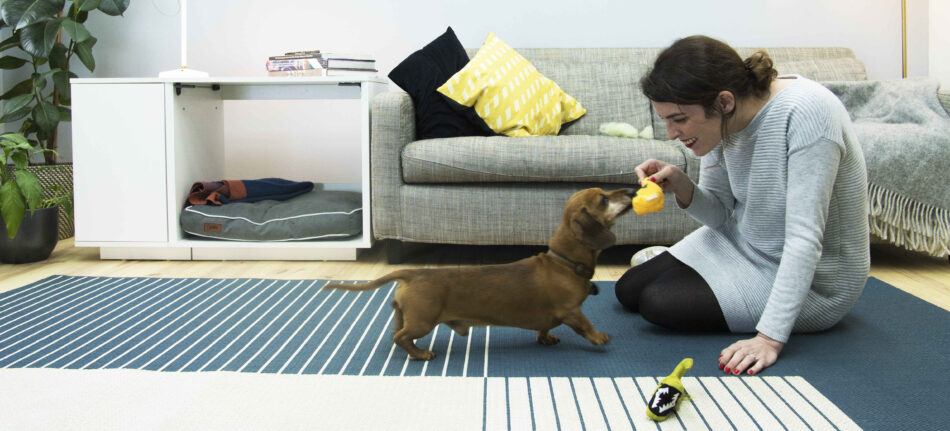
[[783, 203]]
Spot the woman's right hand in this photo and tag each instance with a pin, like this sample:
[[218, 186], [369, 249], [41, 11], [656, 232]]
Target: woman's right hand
[[669, 177]]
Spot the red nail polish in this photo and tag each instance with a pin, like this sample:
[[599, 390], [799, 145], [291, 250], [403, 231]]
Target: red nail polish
[[721, 366], [751, 372], [727, 370], [736, 372], [653, 179]]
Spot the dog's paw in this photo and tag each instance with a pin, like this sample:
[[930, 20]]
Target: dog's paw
[[599, 338], [548, 340], [423, 355]]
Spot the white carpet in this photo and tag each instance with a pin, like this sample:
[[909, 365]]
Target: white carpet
[[55, 399], [120, 399]]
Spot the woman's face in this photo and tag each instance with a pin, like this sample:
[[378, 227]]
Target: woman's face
[[689, 124]]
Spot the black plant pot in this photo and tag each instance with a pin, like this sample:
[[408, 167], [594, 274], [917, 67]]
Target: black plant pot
[[35, 240]]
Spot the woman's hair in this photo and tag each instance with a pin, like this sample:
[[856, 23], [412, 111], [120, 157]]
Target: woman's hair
[[695, 69]]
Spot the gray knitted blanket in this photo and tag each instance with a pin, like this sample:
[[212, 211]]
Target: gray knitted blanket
[[905, 134]]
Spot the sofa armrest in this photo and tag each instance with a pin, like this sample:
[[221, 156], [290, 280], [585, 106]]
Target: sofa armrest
[[393, 127], [943, 94]]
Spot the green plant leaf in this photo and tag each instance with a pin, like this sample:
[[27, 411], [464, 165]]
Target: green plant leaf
[[9, 62], [17, 139], [30, 187], [39, 82], [38, 39], [61, 82], [87, 5], [16, 115], [12, 207], [21, 158], [46, 116], [57, 57], [22, 13], [84, 51], [83, 14], [65, 114], [113, 7], [22, 87], [28, 128], [16, 108], [16, 103], [75, 30], [10, 42]]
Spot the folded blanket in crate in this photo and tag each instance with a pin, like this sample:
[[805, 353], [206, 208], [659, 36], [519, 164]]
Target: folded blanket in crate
[[227, 191]]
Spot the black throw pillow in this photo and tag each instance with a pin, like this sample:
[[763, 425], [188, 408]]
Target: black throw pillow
[[421, 74]]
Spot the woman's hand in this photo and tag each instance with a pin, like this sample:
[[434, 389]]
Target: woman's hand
[[751, 356], [669, 177]]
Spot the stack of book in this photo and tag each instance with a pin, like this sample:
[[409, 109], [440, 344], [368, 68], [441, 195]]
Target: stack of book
[[341, 63], [298, 63], [317, 63]]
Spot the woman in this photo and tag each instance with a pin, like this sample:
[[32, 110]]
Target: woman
[[782, 197]]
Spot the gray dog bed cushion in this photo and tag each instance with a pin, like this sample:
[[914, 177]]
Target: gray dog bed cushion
[[318, 215]]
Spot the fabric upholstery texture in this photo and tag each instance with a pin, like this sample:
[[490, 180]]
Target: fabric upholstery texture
[[509, 93], [533, 159], [516, 214], [609, 91], [421, 73]]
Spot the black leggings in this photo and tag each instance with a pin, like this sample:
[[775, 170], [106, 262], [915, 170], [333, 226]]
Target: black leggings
[[670, 294]]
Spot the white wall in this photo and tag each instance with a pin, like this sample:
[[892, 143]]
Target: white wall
[[918, 36], [940, 41], [233, 38]]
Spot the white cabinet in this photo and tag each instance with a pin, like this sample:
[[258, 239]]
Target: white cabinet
[[140, 143], [119, 163]]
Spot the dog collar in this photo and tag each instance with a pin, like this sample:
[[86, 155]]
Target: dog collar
[[579, 268]]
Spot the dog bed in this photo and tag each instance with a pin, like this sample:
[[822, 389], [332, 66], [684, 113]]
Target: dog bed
[[318, 215]]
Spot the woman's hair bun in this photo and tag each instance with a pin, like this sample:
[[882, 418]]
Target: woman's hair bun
[[761, 71]]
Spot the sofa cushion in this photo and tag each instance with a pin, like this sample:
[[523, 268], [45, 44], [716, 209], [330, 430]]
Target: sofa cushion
[[609, 90], [831, 69], [424, 71], [510, 94], [601, 159]]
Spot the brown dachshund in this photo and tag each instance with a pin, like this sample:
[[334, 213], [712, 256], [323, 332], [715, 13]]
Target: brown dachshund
[[538, 293]]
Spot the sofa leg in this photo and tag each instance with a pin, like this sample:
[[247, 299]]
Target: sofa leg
[[395, 251]]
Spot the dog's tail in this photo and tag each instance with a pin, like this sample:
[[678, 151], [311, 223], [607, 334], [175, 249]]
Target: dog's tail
[[375, 284]]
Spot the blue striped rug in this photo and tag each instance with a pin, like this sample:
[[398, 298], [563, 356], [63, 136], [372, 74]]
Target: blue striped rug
[[287, 327]]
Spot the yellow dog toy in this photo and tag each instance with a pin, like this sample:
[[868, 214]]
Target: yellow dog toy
[[649, 198], [667, 396]]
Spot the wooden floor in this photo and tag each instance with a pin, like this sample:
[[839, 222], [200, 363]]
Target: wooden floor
[[920, 275]]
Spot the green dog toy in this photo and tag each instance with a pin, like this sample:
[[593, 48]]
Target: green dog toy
[[667, 396]]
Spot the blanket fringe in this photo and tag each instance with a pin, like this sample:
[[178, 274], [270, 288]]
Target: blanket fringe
[[908, 223]]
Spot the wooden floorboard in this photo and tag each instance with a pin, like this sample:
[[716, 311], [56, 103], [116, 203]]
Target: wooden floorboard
[[923, 276]]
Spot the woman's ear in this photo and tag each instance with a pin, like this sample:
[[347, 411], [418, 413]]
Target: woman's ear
[[727, 101]]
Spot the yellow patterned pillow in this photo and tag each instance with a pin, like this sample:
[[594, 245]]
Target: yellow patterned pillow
[[511, 95]]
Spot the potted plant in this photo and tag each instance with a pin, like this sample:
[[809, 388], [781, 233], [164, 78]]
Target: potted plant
[[45, 35], [26, 236]]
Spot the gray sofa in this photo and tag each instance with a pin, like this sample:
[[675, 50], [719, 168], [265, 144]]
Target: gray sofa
[[511, 191]]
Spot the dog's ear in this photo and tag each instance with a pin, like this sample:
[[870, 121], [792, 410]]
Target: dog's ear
[[590, 232]]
